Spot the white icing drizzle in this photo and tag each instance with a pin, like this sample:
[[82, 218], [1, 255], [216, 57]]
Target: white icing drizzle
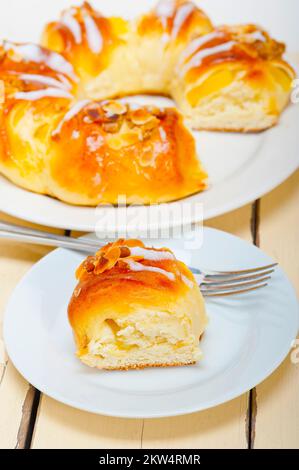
[[39, 94], [70, 114], [165, 9], [196, 60], [73, 25], [162, 134], [44, 80], [93, 34], [134, 266], [187, 281], [151, 254], [57, 62], [258, 36], [165, 38], [199, 43], [181, 16], [34, 53]]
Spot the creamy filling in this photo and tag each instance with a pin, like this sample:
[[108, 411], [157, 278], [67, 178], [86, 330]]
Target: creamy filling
[[163, 332]]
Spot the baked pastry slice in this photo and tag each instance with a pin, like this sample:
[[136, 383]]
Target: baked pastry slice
[[136, 307], [233, 79]]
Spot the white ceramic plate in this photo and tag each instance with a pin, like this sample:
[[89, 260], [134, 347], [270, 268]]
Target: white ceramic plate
[[241, 167], [247, 338]]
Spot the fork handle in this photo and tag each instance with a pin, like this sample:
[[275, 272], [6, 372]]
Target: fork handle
[[38, 237], [72, 244], [24, 234]]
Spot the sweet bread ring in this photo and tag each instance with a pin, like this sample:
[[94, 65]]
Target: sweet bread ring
[[55, 139], [87, 152]]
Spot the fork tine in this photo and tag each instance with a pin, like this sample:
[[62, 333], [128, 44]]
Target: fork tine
[[216, 293], [220, 287], [225, 274], [232, 280]]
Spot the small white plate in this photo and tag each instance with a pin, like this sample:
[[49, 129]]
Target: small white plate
[[247, 337], [241, 168]]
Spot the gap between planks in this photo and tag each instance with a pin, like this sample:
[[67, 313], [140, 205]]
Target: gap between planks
[[252, 398]]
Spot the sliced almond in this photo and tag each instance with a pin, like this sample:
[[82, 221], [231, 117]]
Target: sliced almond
[[142, 116], [111, 127], [94, 114], [114, 107], [151, 124], [116, 142], [101, 265], [113, 254], [124, 252], [158, 112], [87, 266]]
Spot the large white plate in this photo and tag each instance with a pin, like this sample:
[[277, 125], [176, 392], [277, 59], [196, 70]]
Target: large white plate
[[241, 167], [246, 339]]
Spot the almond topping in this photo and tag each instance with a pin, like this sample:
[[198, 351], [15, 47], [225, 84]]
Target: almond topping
[[151, 124], [107, 257], [124, 252], [90, 264], [111, 127], [102, 265], [142, 116], [93, 114], [114, 107]]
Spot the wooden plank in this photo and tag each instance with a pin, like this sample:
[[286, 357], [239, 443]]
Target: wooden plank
[[61, 427], [15, 394], [277, 398], [224, 426]]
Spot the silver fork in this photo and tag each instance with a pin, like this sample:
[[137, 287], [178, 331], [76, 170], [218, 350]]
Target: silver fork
[[224, 283], [212, 283]]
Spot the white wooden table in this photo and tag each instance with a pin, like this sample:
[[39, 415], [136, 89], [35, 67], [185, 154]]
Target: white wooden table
[[267, 417]]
